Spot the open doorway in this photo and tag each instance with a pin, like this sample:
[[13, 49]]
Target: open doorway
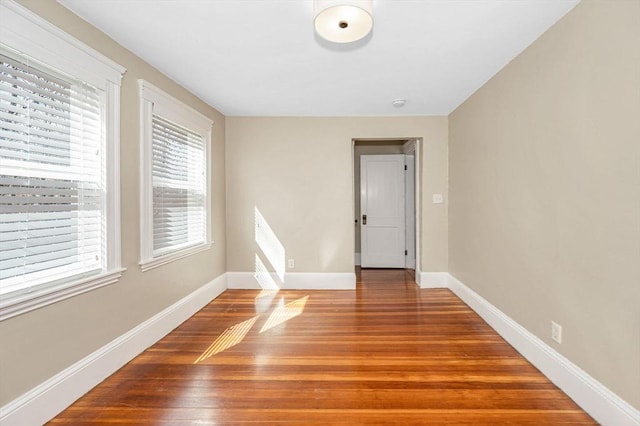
[[385, 203]]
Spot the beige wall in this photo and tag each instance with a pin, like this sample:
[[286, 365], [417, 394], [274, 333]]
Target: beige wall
[[367, 148], [299, 173], [39, 344], [545, 190]]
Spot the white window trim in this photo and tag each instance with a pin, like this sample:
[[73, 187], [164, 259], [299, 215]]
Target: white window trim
[[30, 35], [154, 100], [45, 43]]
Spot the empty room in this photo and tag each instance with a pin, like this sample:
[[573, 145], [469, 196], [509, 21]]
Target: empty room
[[320, 212]]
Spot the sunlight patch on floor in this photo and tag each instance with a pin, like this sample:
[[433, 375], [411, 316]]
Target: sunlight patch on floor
[[229, 338], [284, 313]]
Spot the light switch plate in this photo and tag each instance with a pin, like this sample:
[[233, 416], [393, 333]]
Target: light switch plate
[[437, 198]]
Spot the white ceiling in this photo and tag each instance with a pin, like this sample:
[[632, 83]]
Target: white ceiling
[[262, 58]]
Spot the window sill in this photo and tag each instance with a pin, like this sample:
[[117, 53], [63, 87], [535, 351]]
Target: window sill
[[38, 299], [168, 258]]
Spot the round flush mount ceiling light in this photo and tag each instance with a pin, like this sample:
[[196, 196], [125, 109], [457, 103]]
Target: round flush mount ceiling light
[[343, 21], [398, 103]]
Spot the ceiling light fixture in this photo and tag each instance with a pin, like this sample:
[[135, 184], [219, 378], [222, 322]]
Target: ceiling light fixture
[[399, 103], [343, 21]]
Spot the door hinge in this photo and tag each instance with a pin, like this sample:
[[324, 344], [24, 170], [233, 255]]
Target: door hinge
[[405, 167], [405, 253]]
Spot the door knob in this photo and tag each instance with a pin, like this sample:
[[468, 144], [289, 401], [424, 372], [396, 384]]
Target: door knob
[[364, 219]]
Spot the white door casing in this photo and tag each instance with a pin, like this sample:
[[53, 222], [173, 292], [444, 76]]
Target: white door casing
[[382, 206], [410, 212]]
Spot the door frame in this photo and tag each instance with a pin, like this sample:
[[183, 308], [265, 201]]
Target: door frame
[[410, 210], [413, 144]]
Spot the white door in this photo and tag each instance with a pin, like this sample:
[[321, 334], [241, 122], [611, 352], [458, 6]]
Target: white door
[[382, 230]]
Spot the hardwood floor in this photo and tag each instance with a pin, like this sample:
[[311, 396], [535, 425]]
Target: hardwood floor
[[387, 353]]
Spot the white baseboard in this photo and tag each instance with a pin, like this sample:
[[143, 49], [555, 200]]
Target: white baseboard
[[357, 260], [296, 281], [48, 399], [433, 279], [603, 405]]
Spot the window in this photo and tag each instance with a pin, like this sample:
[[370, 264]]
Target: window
[[175, 151], [59, 226]]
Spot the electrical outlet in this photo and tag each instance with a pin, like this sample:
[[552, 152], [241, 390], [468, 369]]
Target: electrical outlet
[[292, 263], [556, 332], [438, 198]]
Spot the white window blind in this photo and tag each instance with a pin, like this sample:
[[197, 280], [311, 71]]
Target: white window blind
[[175, 161], [52, 177], [178, 177]]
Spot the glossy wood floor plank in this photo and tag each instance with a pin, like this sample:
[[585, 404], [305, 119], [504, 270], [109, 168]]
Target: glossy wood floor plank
[[387, 353]]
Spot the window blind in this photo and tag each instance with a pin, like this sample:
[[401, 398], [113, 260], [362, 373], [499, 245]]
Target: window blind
[[52, 177], [178, 177]]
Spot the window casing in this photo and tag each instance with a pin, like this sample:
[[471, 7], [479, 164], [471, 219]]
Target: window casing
[[175, 153], [59, 173]]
